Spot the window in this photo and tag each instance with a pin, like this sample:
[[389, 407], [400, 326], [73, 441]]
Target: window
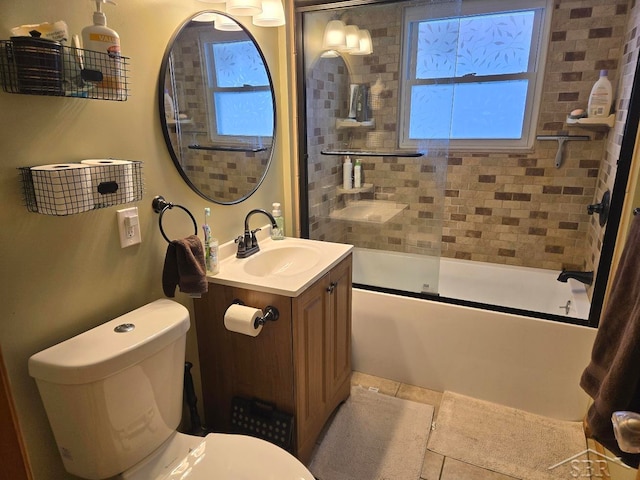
[[239, 93], [473, 77]]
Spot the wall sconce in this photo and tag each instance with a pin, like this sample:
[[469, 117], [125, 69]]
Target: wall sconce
[[365, 47], [205, 17], [226, 24], [342, 38], [334, 36], [272, 14], [264, 13], [244, 8]]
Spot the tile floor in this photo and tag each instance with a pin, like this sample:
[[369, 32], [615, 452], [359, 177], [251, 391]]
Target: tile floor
[[435, 466]]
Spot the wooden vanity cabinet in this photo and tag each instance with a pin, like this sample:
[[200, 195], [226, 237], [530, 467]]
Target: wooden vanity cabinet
[[301, 363]]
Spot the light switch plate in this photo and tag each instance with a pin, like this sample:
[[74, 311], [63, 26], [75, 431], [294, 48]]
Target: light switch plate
[[129, 227]]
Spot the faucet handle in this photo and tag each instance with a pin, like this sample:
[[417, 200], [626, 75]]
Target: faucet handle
[[240, 241], [254, 240]]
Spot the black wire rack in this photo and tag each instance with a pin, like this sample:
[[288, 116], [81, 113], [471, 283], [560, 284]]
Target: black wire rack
[[37, 66], [67, 189]]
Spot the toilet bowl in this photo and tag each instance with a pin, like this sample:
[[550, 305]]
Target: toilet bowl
[[113, 397]]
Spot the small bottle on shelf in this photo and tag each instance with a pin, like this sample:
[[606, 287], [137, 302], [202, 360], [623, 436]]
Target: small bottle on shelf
[[277, 233]]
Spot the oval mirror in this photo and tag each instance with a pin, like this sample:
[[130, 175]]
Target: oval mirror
[[217, 107]]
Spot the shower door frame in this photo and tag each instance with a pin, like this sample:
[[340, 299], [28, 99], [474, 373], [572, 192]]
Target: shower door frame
[[618, 194]]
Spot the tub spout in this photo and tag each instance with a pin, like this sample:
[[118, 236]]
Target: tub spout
[[584, 277]]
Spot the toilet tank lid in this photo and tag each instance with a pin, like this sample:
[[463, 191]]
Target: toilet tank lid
[[102, 351]]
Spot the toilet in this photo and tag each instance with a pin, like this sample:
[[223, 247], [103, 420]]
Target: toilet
[[113, 396]]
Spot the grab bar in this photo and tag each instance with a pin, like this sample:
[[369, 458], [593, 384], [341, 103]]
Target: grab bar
[[365, 153]]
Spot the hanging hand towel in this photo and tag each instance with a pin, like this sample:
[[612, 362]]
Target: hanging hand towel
[[612, 378], [184, 267]]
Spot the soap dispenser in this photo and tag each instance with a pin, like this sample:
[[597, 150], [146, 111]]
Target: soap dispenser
[[106, 42], [277, 233]]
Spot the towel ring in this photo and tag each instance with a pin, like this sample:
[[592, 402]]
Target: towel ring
[[160, 205]]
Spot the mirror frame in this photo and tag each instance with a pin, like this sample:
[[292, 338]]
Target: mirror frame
[[165, 128]]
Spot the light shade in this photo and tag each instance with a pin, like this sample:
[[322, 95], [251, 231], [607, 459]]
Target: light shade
[[365, 47], [213, 1], [352, 39], [272, 14], [244, 7], [329, 54], [334, 36], [205, 17], [226, 24]]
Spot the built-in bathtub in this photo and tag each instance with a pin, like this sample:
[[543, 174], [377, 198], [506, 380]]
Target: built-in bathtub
[[515, 360]]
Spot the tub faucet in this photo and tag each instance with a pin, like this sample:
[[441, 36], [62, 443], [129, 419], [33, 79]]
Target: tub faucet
[[584, 277], [247, 242]]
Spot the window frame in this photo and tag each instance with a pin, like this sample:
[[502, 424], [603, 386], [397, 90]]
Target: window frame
[[210, 85], [535, 74]]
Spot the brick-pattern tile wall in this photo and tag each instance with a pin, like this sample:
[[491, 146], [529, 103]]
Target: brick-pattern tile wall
[[500, 207], [224, 176]]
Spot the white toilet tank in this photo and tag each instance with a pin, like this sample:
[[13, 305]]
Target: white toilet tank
[[114, 394]]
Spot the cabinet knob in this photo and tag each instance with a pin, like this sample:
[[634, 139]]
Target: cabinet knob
[[332, 286]]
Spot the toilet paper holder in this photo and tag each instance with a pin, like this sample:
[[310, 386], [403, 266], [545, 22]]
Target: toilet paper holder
[[271, 314]]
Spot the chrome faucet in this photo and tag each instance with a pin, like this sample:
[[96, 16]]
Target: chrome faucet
[[247, 242], [584, 277]]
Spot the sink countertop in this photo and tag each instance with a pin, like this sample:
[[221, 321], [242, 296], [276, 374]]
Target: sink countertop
[[233, 270]]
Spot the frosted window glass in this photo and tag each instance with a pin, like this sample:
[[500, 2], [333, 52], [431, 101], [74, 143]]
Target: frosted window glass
[[244, 113], [430, 116], [239, 64], [479, 45]]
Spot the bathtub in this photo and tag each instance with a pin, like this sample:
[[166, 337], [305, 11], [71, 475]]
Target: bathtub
[[515, 360]]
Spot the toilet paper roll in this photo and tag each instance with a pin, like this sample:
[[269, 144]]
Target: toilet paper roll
[[62, 188], [117, 172], [241, 319]]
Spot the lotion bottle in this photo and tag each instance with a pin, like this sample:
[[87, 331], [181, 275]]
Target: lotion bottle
[[277, 233], [211, 244], [106, 42], [347, 170], [601, 97]]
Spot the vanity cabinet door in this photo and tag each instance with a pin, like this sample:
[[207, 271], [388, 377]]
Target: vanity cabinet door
[[322, 352]]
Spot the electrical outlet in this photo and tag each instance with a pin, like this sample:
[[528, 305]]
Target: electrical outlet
[[129, 227]]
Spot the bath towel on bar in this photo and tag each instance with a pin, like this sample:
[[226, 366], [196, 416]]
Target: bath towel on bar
[[612, 377], [184, 267]]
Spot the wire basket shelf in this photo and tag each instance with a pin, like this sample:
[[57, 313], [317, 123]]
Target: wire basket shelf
[[70, 188], [36, 66]]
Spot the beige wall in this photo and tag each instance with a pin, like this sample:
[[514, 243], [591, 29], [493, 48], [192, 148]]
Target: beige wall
[[63, 275]]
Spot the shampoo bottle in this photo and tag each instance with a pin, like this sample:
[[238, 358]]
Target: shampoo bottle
[[347, 170], [357, 174], [277, 233], [106, 42], [601, 97]]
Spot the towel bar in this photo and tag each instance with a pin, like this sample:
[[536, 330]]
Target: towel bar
[[160, 205]]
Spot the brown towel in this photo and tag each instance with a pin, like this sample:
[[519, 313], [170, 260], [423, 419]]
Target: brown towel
[[612, 378], [184, 266]]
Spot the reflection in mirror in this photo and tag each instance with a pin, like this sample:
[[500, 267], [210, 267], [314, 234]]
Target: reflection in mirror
[[217, 108]]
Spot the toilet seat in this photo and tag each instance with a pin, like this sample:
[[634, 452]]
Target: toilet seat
[[220, 456]]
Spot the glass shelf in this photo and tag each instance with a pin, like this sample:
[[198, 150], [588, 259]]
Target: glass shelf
[[366, 187]]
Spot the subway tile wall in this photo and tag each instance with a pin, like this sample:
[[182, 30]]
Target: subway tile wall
[[502, 207]]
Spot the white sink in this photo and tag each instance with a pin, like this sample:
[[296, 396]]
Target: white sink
[[283, 267], [282, 260]]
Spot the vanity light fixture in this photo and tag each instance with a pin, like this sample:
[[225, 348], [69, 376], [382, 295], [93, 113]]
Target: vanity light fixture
[[334, 36], [244, 8], [365, 46], [352, 38], [272, 14], [329, 54], [205, 17], [226, 24]]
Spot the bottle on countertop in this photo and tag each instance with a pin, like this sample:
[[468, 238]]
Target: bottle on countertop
[[106, 42], [211, 245], [277, 233], [347, 171], [601, 97]]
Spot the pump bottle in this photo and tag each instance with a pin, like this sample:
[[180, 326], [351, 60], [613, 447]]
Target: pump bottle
[[106, 42], [601, 97], [277, 233]]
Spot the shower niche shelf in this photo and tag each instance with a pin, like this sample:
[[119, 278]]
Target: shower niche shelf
[[369, 211], [353, 123], [607, 122], [366, 188]]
